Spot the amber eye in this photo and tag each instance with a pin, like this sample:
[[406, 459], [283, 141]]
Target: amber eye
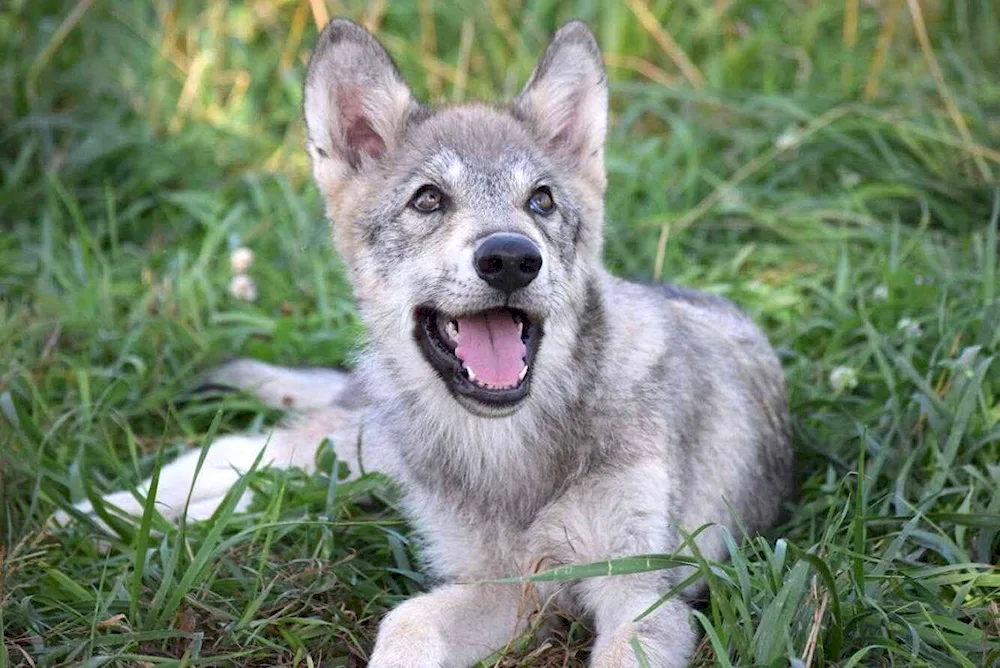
[[541, 201], [427, 200]]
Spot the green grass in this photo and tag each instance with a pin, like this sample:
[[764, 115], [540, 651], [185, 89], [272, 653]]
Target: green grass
[[850, 206]]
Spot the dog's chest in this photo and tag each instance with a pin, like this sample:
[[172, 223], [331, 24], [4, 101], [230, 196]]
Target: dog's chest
[[496, 500], [463, 545]]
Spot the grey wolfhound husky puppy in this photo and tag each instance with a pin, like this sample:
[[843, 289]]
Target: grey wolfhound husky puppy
[[535, 410]]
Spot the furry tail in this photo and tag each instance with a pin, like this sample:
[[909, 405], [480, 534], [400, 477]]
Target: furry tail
[[326, 406], [281, 387]]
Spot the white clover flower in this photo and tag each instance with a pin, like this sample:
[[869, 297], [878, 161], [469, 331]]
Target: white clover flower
[[243, 287], [880, 292], [240, 260], [843, 378], [787, 139], [849, 179], [910, 328], [731, 200]]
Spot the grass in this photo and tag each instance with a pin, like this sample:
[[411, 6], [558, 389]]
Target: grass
[[831, 166]]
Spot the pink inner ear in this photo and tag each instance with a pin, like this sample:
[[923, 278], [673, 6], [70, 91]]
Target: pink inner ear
[[362, 138], [359, 136]]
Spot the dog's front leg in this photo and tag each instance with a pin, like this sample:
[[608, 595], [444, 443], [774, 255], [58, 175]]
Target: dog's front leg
[[614, 514], [664, 636], [452, 626]]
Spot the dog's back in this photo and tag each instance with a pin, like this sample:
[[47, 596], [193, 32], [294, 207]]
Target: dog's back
[[737, 386]]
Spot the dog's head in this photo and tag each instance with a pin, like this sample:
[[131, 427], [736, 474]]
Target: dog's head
[[468, 230]]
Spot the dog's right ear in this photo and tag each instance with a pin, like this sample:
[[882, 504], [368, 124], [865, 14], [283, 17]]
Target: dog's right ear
[[355, 104]]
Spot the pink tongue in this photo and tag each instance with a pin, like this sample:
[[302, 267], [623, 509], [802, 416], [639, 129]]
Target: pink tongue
[[490, 345]]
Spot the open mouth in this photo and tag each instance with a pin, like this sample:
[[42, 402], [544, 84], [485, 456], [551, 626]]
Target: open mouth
[[485, 356]]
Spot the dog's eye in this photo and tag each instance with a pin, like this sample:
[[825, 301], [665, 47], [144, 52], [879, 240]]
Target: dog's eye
[[541, 201], [427, 200]]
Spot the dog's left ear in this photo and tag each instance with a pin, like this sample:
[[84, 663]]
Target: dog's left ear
[[566, 100]]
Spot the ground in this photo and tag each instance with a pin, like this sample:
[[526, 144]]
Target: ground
[[830, 166]]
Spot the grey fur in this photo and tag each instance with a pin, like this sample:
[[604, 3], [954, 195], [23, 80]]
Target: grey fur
[[651, 409]]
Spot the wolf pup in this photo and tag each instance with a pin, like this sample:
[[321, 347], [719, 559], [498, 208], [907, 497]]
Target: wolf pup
[[535, 410]]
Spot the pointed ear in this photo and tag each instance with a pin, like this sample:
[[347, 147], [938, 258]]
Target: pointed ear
[[566, 100], [355, 103]]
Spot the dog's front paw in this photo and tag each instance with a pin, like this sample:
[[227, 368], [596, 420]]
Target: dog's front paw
[[665, 648], [408, 641]]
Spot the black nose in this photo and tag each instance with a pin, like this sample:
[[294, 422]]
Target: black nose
[[507, 261]]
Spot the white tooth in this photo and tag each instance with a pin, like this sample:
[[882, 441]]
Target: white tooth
[[520, 327], [471, 374], [453, 329], [524, 372]]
